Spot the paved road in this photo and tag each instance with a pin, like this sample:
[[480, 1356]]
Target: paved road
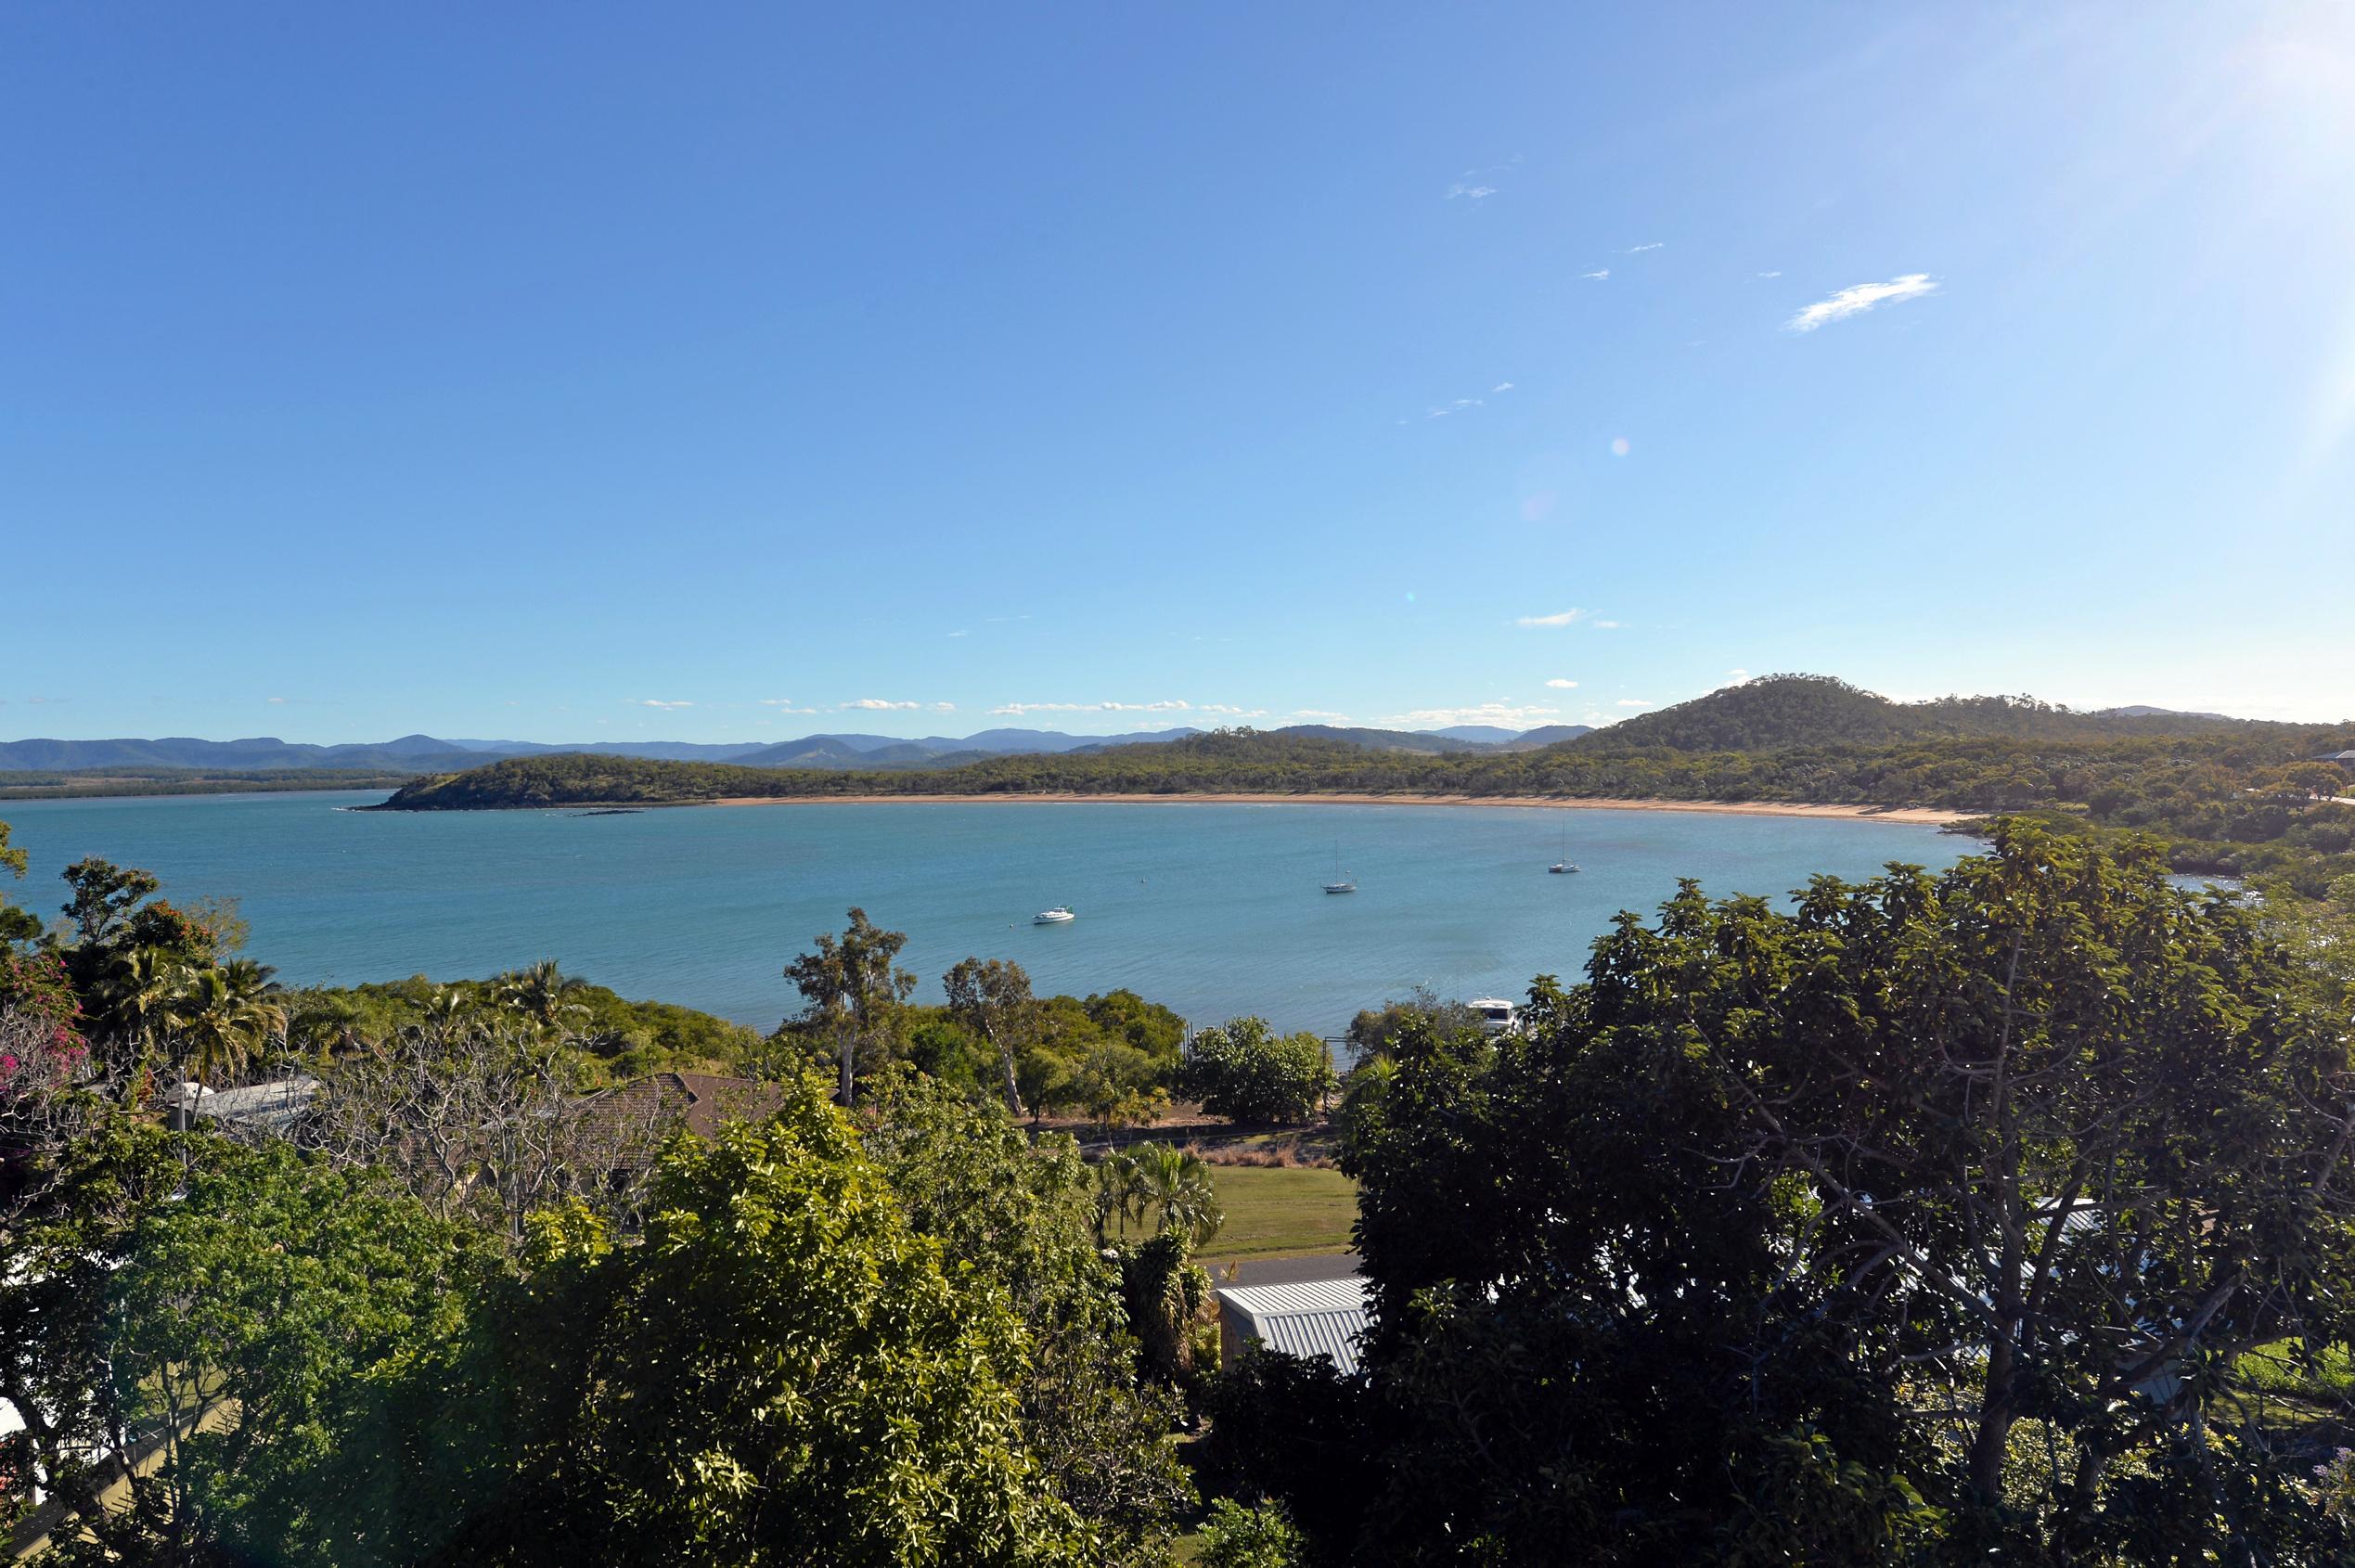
[[1285, 1271]]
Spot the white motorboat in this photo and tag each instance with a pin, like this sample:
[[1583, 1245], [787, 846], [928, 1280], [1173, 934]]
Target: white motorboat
[[1496, 1015], [1054, 916]]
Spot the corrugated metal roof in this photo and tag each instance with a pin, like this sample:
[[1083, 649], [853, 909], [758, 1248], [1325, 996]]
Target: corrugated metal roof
[[1304, 1295], [277, 1103], [1315, 1317]]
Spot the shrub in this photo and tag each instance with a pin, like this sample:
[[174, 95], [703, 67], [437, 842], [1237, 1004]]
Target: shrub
[[1236, 1537], [1244, 1070]]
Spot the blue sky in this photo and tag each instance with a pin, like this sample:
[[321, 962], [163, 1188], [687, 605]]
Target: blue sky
[[719, 371]]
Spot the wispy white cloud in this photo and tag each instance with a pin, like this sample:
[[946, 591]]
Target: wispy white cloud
[[784, 705], [1769, 275], [1639, 250], [1560, 618], [1857, 298], [1560, 684], [658, 702], [1597, 274], [1633, 702], [960, 633], [278, 702], [1505, 715], [878, 705], [1462, 405], [1479, 182], [1608, 625], [944, 707], [1738, 677], [1320, 715], [1016, 709]]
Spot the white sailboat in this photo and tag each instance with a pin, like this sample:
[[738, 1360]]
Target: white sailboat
[[1564, 866], [1342, 881]]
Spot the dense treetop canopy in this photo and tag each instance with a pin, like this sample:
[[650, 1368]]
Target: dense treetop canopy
[[1928, 1221]]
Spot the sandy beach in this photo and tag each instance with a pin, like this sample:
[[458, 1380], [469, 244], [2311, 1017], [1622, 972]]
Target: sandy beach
[[1927, 816]]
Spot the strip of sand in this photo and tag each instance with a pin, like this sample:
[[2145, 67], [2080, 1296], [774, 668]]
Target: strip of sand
[[1925, 816]]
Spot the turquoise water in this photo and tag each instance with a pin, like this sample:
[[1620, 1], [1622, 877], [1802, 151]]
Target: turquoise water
[[1214, 910]]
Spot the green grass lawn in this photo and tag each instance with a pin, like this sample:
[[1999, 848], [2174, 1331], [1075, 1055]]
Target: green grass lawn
[[1278, 1212]]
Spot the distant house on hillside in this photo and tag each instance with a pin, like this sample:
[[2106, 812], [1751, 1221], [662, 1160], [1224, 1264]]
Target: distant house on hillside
[[2344, 759]]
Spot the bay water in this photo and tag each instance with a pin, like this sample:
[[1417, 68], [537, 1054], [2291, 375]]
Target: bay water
[[1214, 909]]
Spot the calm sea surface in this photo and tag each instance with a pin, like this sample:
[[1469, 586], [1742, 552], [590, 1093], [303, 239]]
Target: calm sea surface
[[1215, 910]]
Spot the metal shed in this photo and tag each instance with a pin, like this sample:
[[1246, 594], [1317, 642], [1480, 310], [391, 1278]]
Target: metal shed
[[1318, 1317]]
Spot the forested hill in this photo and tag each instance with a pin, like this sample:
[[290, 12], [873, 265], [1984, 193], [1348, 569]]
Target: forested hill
[[1783, 737], [2235, 796], [1964, 774], [1778, 711], [1222, 760]]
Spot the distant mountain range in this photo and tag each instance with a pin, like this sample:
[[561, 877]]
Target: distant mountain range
[[411, 753], [1782, 738], [1759, 715], [427, 753], [1776, 711], [2145, 711]]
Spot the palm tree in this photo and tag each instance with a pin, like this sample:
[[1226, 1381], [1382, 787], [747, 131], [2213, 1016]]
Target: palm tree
[[1120, 1191], [1364, 1090], [446, 1009], [1171, 1186], [246, 977], [225, 1017], [136, 996], [542, 993], [1179, 1188], [327, 1023]]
